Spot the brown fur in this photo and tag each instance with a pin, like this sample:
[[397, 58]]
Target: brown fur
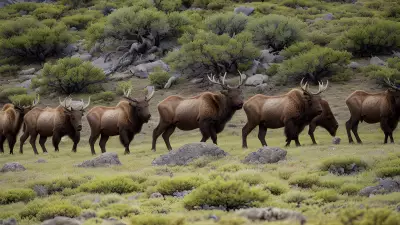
[[293, 110], [326, 120], [207, 111], [52, 122], [383, 108], [126, 120]]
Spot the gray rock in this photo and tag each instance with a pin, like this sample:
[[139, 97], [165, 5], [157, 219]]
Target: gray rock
[[61, 220], [11, 221], [181, 194], [377, 61], [27, 71], [40, 190], [84, 56], [26, 84], [266, 56], [256, 80], [395, 53], [120, 76], [245, 10], [41, 161], [266, 155], [171, 80], [336, 140], [262, 88], [188, 153], [73, 29], [70, 49], [12, 167], [272, 214], [88, 215], [354, 65], [23, 78], [99, 63], [143, 70], [385, 186], [279, 58], [103, 160], [196, 80], [213, 217], [253, 69], [347, 170], [328, 16], [156, 195]]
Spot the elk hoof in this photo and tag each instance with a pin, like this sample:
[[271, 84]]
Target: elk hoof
[[153, 150]]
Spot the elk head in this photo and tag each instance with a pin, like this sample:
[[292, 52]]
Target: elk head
[[140, 106], [393, 93], [26, 108], [233, 94], [74, 114], [313, 100]]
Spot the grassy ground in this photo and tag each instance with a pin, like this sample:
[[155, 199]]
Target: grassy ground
[[322, 202]]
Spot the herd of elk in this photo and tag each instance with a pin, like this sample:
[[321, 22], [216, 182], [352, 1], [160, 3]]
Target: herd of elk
[[207, 111]]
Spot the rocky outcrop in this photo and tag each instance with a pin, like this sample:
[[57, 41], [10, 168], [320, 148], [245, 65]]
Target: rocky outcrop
[[245, 10], [103, 160], [12, 167], [62, 220], [266, 155], [256, 80], [385, 186]]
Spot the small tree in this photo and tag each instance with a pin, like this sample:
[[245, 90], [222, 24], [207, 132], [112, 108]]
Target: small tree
[[227, 23], [276, 31], [168, 5], [69, 75]]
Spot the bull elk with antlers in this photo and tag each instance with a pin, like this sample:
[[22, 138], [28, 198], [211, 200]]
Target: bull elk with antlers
[[383, 108], [207, 111], [56, 122], [11, 119], [126, 119], [293, 111]]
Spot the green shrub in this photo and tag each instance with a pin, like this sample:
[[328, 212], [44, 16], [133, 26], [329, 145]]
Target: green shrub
[[176, 184], [8, 92], [76, 3], [168, 5], [95, 33], [22, 100], [231, 194], [217, 4], [375, 38], [276, 188], [61, 209], [350, 189], [393, 12], [388, 172], [25, 6], [295, 3], [382, 216], [295, 197], [343, 76], [276, 31], [250, 177], [118, 210], [48, 11], [58, 185], [285, 174], [157, 220], [123, 86], [327, 195], [159, 77], [33, 208], [79, 21], [106, 96], [8, 70], [344, 162], [179, 22], [118, 185], [69, 75], [304, 181], [16, 195], [297, 49], [226, 23], [330, 183]]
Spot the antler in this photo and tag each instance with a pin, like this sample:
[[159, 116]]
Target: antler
[[149, 95], [36, 101], [321, 87], [127, 92], [66, 103], [304, 87], [83, 104], [214, 81], [391, 84]]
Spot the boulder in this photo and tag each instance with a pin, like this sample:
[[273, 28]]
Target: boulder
[[253, 69], [99, 63], [12, 167], [345, 170], [266, 155], [23, 78], [196, 80], [336, 140], [181, 194], [11, 221], [88, 215], [272, 214], [84, 56], [41, 161], [385, 186], [156, 195], [328, 17], [377, 61], [354, 65], [395, 53], [171, 80], [279, 58], [73, 29], [188, 153], [245, 10], [103, 160], [61, 220], [266, 56], [262, 88], [143, 70], [27, 71], [70, 49], [40, 190], [25, 84], [256, 80]]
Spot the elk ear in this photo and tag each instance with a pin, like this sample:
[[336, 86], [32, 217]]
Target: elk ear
[[224, 92], [133, 104]]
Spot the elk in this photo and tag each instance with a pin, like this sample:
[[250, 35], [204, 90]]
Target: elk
[[383, 108], [56, 122], [293, 111], [207, 111], [126, 120], [326, 120], [11, 120]]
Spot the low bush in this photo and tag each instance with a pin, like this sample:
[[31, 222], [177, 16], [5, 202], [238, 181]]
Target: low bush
[[167, 5], [217, 4], [297, 49], [331, 183], [295, 197], [227, 23], [118, 185], [377, 216], [327, 195], [276, 188], [23, 99], [123, 86], [118, 210], [106, 96], [388, 172], [8, 92], [58, 185], [343, 162], [8, 70], [61, 209], [33, 208], [157, 220], [350, 189], [159, 77], [79, 21], [250, 177], [177, 184], [16, 195], [285, 174], [304, 181], [231, 194], [295, 3], [48, 11], [343, 76]]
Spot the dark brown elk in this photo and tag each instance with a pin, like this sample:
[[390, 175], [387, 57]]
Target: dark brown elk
[[326, 120], [383, 108], [293, 111], [11, 119], [207, 111], [53, 122], [126, 120]]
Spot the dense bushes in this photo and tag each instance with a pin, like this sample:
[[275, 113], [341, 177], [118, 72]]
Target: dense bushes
[[122, 87], [159, 77], [118, 210], [16, 195], [367, 216], [227, 23], [22, 99], [343, 162], [79, 21], [276, 31], [58, 185], [304, 181], [8, 70], [69, 75], [177, 184], [167, 5], [106, 96], [61, 209], [231, 194], [118, 185], [6, 93], [157, 220]]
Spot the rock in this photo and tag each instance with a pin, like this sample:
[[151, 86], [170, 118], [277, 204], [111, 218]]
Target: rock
[[40, 190], [354, 65], [262, 88], [213, 217], [256, 80], [336, 140], [12, 167], [385, 186], [181, 194], [397, 54], [11, 221], [61, 220], [266, 155], [156, 195], [99, 63], [41, 161], [171, 80], [88, 215], [27, 71], [84, 56], [279, 58], [266, 56], [253, 69], [26, 84], [23, 78], [245, 10], [188, 153], [120, 76], [196, 80], [377, 61], [143, 70], [70, 49], [347, 170], [328, 17], [271, 214], [103, 160]]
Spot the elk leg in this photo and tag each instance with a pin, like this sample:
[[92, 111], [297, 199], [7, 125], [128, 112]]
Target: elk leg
[[348, 127], [11, 142], [297, 141], [75, 138], [160, 129], [246, 130], [124, 138], [355, 131], [56, 141], [166, 136], [205, 130], [311, 130], [2, 139], [386, 129], [92, 140], [32, 141], [391, 137], [290, 132], [42, 141], [102, 142], [22, 140], [262, 132]]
